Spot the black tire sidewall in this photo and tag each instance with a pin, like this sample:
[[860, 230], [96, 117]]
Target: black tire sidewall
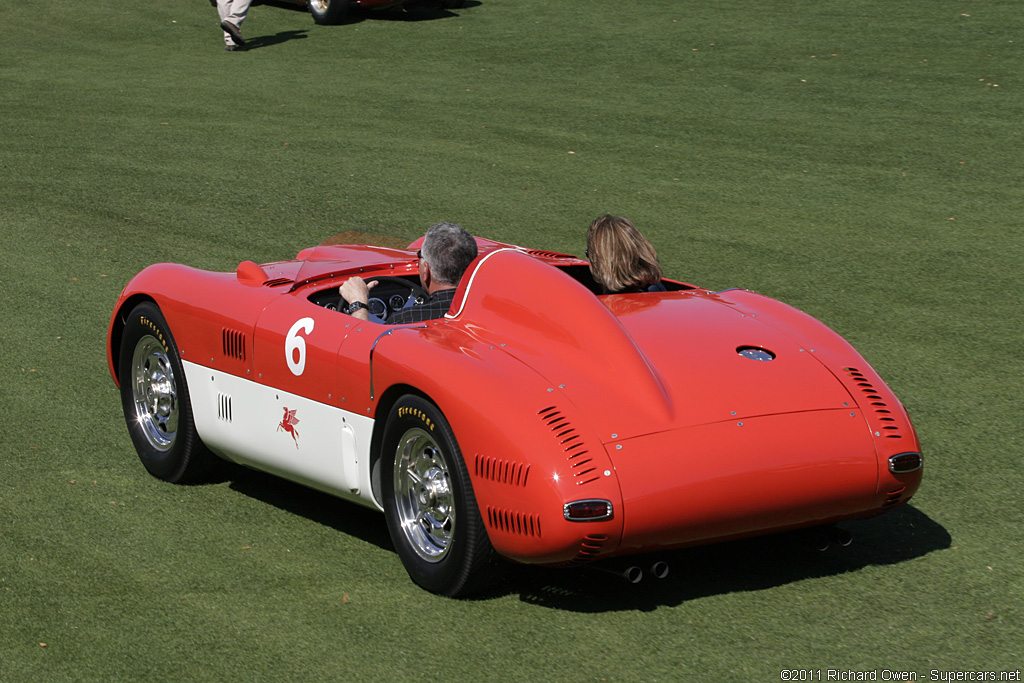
[[186, 456], [337, 11], [456, 574]]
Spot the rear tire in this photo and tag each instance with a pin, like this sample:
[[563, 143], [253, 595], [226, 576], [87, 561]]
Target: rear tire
[[431, 512], [155, 399], [329, 11]]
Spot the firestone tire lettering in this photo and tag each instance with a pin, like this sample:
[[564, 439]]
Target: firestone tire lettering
[[431, 512], [155, 399]]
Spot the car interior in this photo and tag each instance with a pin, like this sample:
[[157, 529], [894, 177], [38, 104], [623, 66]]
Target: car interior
[[389, 295], [392, 294]]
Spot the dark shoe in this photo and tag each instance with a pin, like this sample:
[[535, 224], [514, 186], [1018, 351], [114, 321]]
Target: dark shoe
[[233, 31]]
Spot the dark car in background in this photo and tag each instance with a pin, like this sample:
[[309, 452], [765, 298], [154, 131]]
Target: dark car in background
[[336, 11]]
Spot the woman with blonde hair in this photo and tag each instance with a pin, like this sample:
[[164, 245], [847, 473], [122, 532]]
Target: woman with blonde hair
[[621, 259]]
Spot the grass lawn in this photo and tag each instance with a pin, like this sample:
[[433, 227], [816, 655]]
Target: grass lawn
[[861, 160]]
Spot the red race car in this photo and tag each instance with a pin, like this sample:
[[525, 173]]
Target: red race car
[[537, 421]]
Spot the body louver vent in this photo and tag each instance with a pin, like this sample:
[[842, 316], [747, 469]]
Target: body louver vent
[[883, 421], [581, 465], [513, 522], [548, 254], [892, 499], [502, 471], [277, 282], [590, 547], [233, 343], [223, 407]]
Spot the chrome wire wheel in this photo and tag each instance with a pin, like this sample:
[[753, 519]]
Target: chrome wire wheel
[[154, 393], [154, 397], [319, 5], [423, 495], [428, 502]]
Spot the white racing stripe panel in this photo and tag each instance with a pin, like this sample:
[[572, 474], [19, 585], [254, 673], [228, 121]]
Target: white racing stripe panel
[[305, 441]]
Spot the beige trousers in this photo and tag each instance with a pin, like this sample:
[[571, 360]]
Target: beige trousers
[[233, 11]]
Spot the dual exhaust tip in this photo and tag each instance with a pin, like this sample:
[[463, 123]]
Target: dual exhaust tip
[[635, 574], [659, 569], [824, 540]]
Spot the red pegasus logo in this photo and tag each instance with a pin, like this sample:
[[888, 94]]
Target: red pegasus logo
[[288, 423]]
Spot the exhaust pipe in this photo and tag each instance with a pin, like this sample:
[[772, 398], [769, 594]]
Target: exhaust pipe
[[823, 539], [842, 537], [633, 574], [630, 574], [821, 542]]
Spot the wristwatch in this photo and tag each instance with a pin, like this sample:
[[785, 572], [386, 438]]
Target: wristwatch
[[354, 306]]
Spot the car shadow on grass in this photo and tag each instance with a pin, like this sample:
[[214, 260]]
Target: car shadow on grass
[[746, 565], [346, 517]]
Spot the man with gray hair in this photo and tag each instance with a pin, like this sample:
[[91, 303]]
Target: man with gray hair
[[446, 253]]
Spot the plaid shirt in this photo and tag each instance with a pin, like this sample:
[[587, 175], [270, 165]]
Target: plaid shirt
[[434, 307]]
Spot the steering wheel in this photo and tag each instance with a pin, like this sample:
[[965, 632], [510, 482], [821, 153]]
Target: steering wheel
[[400, 282], [393, 283]]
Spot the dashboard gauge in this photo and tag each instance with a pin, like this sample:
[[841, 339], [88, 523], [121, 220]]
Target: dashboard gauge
[[376, 307]]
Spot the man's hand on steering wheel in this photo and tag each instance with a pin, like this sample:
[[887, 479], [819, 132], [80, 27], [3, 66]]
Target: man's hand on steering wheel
[[356, 291]]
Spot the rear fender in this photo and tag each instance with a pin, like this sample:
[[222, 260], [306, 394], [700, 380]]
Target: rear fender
[[526, 450]]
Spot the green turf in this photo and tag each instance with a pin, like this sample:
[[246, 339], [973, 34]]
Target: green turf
[[861, 160]]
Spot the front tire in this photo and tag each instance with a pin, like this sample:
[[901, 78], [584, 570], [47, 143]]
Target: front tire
[[429, 505], [329, 11], [155, 399]]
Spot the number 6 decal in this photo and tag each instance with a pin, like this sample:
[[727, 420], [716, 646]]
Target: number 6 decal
[[295, 346]]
